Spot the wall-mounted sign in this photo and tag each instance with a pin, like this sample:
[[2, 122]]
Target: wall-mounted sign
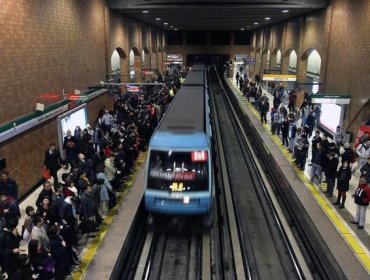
[[171, 62], [31, 120], [331, 99], [133, 88], [242, 57], [174, 58], [279, 77], [19, 128]]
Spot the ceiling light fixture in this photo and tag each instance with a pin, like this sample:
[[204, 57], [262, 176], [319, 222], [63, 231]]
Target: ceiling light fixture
[[285, 11], [256, 23], [176, 29], [158, 18], [145, 12], [242, 29], [165, 23], [267, 18]]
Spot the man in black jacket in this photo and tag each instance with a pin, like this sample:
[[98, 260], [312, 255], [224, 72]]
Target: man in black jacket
[[88, 210], [365, 170], [8, 185], [331, 173], [316, 139], [264, 108], [53, 161], [9, 247], [45, 192], [317, 163]]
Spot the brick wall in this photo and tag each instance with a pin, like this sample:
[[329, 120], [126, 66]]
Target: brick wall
[[348, 65], [48, 46], [25, 153]]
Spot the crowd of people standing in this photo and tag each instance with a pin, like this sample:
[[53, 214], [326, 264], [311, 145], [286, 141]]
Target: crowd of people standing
[[82, 187], [326, 156]]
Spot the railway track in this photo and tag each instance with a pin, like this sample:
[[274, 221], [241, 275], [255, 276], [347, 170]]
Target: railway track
[[319, 263], [264, 248], [173, 257], [247, 239]]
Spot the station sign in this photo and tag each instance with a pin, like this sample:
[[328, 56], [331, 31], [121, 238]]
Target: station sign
[[133, 88], [171, 62], [331, 99], [174, 58], [279, 77]]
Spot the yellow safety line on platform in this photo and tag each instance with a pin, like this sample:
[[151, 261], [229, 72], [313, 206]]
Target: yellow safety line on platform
[[94, 244], [351, 239]]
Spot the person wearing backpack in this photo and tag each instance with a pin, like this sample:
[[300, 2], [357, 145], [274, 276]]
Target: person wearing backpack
[[363, 152], [362, 198]]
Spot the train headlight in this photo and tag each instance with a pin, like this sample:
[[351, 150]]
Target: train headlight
[[186, 199]]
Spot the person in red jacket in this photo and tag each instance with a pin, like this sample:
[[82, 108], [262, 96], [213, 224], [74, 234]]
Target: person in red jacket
[[362, 198]]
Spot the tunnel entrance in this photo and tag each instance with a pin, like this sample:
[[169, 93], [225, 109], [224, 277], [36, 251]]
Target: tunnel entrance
[[206, 58]]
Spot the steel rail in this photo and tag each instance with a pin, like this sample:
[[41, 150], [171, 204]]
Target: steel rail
[[229, 214], [322, 264], [264, 196]]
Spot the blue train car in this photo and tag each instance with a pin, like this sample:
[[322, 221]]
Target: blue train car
[[179, 178]]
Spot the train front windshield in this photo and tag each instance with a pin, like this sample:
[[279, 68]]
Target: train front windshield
[[178, 171]]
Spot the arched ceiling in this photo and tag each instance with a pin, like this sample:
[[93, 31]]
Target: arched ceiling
[[216, 14]]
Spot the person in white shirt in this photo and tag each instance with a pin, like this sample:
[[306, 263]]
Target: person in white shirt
[[363, 153], [338, 136], [107, 120]]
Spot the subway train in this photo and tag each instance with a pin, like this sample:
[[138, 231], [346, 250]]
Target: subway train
[[179, 178]]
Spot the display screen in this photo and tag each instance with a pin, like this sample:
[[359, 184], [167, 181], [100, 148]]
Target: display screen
[[132, 88], [330, 116], [315, 87], [69, 121], [178, 171]]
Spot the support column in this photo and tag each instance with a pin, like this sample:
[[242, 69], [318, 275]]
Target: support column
[[124, 69]]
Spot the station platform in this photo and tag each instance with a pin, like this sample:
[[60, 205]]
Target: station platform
[[349, 245], [98, 255]]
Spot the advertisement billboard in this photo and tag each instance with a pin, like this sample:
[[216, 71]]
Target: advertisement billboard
[[330, 117], [69, 121]]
